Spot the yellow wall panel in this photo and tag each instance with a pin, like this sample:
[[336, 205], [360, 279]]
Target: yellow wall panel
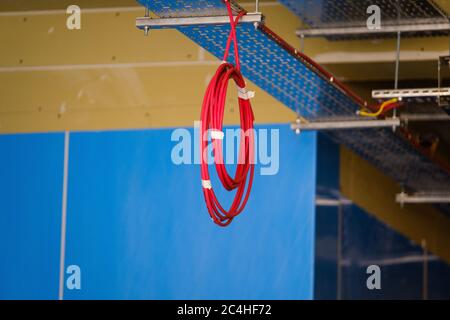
[[374, 192]]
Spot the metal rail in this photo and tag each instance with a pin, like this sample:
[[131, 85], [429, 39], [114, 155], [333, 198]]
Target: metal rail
[[159, 23], [424, 117], [410, 93], [404, 198], [363, 30], [345, 124]]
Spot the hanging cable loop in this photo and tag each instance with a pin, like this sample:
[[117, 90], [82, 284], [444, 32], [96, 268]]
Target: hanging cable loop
[[212, 113]]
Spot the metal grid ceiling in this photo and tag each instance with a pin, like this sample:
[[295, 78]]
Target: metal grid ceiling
[[289, 80], [352, 13]]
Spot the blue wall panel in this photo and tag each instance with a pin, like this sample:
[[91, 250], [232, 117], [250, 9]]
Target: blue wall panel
[[367, 241], [31, 174], [438, 279], [325, 273], [138, 226]]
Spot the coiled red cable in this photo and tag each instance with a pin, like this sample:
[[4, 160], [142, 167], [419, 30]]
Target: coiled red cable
[[212, 120]]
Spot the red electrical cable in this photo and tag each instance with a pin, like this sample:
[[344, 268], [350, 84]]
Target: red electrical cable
[[212, 119]]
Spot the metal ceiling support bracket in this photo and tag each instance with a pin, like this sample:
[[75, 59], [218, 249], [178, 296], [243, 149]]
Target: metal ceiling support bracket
[[363, 30], [423, 117], [330, 202], [397, 65], [410, 93], [257, 6], [443, 75], [160, 23], [422, 197], [345, 124], [147, 15]]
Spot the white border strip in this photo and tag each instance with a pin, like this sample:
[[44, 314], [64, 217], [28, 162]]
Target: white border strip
[[338, 57], [137, 8], [62, 256], [68, 67], [63, 11]]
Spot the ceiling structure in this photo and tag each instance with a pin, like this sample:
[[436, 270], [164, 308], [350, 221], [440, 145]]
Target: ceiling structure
[[343, 14], [351, 14], [314, 94]]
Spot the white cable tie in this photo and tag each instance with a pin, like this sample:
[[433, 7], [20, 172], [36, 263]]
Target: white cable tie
[[243, 93], [206, 184], [217, 134]]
